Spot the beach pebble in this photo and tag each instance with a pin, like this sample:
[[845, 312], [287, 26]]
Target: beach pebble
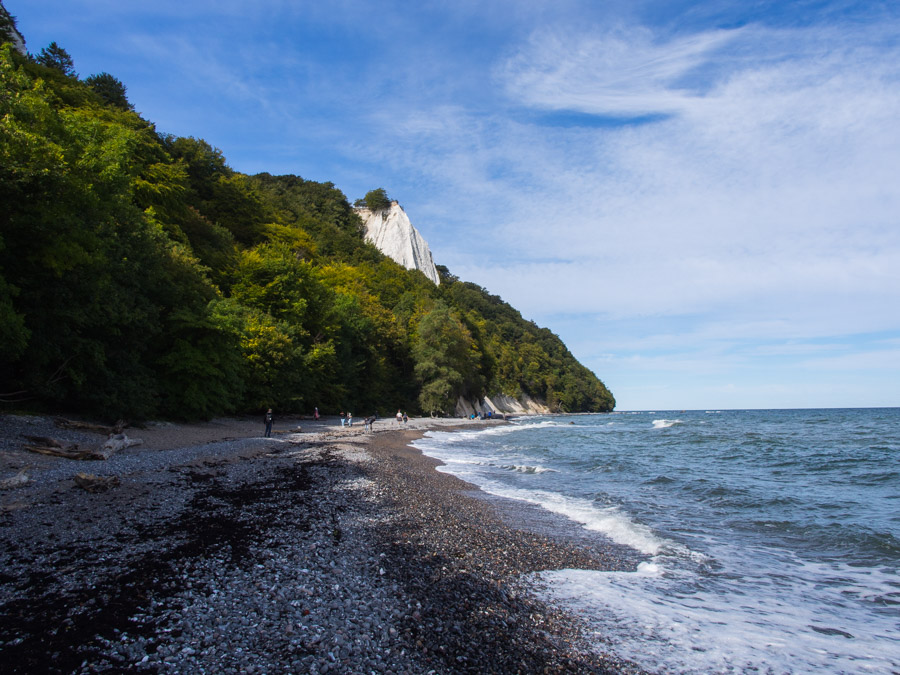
[[252, 556]]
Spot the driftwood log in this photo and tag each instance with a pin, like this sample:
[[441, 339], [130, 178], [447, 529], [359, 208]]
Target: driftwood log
[[50, 446], [118, 442], [18, 480], [117, 428], [287, 431], [92, 483]]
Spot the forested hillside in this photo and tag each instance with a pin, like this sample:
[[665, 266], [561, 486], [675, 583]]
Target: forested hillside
[[140, 277]]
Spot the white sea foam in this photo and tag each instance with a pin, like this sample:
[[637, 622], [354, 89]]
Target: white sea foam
[[661, 620], [609, 521], [462, 460], [649, 569], [525, 468], [486, 432], [734, 599]]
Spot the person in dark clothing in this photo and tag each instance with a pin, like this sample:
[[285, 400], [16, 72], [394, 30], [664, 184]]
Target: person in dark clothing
[[269, 419]]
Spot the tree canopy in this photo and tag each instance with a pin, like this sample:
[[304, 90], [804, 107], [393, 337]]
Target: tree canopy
[[142, 276], [110, 89], [54, 56], [376, 200]]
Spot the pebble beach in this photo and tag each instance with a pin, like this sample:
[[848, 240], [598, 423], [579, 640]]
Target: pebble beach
[[320, 550]]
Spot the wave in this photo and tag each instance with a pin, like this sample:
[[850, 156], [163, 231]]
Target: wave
[[499, 430], [610, 521], [665, 424], [670, 621], [524, 468]]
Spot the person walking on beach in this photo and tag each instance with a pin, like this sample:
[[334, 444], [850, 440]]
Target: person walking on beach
[[343, 418], [399, 417], [269, 419], [405, 418], [349, 419], [316, 414]]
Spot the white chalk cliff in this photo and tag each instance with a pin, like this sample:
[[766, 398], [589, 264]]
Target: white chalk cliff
[[11, 33], [392, 234]]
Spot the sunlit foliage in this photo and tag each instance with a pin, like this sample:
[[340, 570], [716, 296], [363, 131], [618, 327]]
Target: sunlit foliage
[[142, 276]]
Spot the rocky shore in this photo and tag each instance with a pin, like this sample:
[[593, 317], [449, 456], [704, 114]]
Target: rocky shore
[[322, 549]]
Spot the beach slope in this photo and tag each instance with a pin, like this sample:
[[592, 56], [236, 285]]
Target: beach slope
[[322, 549]]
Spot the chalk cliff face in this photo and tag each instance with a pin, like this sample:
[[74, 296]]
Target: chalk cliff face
[[392, 234], [501, 403], [8, 31]]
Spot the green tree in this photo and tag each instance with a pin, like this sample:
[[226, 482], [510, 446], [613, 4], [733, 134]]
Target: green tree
[[446, 359], [225, 198], [110, 89], [54, 56], [140, 275], [103, 292], [14, 334], [377, 200]]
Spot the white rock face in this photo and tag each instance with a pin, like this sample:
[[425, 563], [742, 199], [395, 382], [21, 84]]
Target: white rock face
[[501, 403], [392, 234], [15, 36], [523, 406]]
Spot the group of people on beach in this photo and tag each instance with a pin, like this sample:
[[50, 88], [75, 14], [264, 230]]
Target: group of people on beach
[[368, 422], [346, 420]]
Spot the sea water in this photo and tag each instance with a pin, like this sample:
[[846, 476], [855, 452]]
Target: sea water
[[768, 541]]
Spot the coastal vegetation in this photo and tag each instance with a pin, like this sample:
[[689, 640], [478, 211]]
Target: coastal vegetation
[[375, 200], [141, 276]]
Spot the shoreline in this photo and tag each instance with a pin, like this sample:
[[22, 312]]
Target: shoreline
[[327, 550]]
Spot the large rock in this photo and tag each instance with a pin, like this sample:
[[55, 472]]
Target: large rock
[[392, 234]]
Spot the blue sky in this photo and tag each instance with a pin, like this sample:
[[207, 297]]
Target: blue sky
[[700, 198]]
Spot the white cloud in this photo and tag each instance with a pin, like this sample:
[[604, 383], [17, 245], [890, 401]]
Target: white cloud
[[752, 195], [625, 71], [777, 186]]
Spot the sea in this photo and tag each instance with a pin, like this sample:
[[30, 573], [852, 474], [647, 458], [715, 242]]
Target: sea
[[763, 541]]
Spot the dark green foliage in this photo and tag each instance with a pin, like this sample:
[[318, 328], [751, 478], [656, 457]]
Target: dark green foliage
[[96, 282], [13, 333], [520, 358], [110, 89], [447, 361], [54, 56], [319, 209], [225, 198], [141, 276], [376, 200]]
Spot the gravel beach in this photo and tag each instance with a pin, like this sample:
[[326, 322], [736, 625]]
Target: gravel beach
[[322, 549]]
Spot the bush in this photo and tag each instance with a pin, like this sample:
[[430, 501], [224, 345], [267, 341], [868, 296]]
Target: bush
[[377, 200]]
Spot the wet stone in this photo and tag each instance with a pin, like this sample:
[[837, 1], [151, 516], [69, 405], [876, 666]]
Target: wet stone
[[242, 572]]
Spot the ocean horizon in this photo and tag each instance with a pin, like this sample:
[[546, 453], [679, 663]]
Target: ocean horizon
[[765, 540]]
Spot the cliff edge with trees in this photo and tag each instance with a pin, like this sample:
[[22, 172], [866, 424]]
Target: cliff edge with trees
[[142, 277]]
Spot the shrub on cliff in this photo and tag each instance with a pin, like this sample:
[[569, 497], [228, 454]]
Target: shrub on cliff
[[376, 200]]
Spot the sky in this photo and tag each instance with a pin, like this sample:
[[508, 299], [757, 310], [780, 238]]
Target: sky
[[700, 198]]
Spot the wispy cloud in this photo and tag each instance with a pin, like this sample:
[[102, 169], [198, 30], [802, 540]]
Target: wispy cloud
[[782, 181], [624, 71], [703, 199]]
